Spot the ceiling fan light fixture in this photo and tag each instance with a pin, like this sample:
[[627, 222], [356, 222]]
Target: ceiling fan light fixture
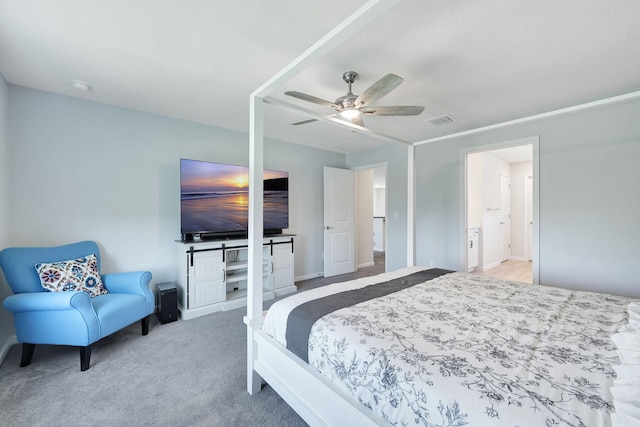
[[350, 113], [351, 107]]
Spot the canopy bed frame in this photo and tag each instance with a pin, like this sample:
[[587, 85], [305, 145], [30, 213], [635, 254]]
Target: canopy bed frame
[[313, 397], [310, 394]]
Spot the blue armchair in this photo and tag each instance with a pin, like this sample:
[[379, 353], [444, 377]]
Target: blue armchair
[[73, 317]]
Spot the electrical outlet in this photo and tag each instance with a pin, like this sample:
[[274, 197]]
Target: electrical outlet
[[432, 263]]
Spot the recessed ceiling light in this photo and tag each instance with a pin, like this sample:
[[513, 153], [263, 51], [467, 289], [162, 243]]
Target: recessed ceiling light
[[80, 85]]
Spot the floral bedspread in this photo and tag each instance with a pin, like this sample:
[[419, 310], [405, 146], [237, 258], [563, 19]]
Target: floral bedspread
[[468, 350]]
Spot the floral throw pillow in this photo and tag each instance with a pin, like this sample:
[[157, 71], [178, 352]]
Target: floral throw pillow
[[74, 275]]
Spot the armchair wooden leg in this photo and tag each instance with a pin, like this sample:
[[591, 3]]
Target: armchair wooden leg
[[27, 354], [85, 357], [145, 325]]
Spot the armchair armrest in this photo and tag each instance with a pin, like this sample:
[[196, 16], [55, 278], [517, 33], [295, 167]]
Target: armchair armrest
[[48, 301], [54, 318], [132, 282]]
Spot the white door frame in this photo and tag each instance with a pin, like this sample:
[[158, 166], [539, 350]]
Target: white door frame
[[505, 223], [528, 216], [386, 206], [535, 142]]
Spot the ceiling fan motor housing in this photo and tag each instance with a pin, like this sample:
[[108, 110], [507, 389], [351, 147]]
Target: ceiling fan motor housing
[[348, 100], [350, 76]]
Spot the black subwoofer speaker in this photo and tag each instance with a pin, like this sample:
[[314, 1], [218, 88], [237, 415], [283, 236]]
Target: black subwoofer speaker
[[166, 302]]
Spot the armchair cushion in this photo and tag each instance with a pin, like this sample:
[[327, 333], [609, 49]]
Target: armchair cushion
[[116, 311], [80, 274]]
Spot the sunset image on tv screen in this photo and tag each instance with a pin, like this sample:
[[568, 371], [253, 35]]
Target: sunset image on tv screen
[[214, 198]]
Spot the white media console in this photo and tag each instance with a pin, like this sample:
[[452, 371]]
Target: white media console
[[213, 273]]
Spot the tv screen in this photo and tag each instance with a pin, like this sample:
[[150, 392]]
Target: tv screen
[[214, 199]]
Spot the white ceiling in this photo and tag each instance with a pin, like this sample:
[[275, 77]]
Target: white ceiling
[[482, 62]]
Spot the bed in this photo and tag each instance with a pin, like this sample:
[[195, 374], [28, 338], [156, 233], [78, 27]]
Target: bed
[[461, 350], [432, 347]]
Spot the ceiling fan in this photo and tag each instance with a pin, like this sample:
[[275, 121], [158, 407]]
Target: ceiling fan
[[351, 107]]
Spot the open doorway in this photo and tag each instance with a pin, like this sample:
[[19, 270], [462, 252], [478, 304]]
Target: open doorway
[[499, 213], [371, 217], [379, 215]]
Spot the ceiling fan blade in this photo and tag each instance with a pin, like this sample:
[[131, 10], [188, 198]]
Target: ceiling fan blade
[[379, 89], [303, 122], [393, 111], [311, 98]]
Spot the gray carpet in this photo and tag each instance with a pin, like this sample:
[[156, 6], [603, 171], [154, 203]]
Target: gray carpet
[[186, 373]]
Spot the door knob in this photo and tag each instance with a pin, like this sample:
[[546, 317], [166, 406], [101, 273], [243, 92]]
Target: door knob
[[326, 227]]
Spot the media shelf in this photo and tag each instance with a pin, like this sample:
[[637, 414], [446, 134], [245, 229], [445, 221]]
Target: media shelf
[[214, 274]]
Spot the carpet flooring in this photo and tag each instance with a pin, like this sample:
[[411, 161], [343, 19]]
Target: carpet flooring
[[186, 373]]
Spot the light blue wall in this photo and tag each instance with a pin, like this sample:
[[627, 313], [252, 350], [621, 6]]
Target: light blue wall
[[7, 333], [395, 157], [4, 160], [83, 170], [589, 198]]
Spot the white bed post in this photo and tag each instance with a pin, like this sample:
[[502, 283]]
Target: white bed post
[[354, 23], [254, 291], [411, 196]]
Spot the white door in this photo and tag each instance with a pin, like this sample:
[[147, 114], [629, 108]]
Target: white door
[[339, 221], [206, 279], [528, 216], [378, 233], [505, 217], [282, 264]]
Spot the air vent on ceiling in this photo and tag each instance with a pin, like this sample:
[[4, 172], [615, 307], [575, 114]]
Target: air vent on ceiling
[[441, 120]]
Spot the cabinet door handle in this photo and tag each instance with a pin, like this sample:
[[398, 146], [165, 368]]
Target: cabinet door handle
[[224, 275]]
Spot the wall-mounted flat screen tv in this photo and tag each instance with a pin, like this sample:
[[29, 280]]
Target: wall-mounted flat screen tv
[[214, 200]]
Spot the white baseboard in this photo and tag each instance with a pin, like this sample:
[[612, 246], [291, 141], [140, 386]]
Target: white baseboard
[[309, 276], [368, 264], [518, 258], [488, 266], [6, 346]]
